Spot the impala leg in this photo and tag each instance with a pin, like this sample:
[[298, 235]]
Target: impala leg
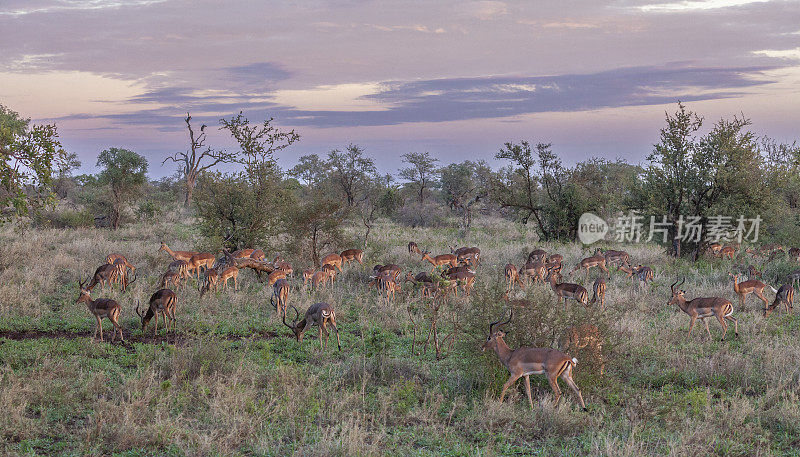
[[735, 324], [567, 377], [97, 328], [528, 390], [691, 325], [155, 329], [553, 380], [760, 295], [724, 326], [511, 380], [709, 331], [336, 329]]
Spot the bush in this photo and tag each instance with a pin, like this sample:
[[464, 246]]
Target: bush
[[64, 219], [426, 214]]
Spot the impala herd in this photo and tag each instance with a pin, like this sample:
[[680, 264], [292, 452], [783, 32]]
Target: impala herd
[[448, 273]]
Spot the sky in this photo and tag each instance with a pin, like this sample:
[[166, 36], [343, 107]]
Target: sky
[[456, 79]]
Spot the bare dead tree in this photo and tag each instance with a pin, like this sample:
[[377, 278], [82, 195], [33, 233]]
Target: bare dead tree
[[198, 158]]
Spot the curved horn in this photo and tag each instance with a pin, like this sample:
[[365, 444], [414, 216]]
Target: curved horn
[[297, 316], [137, 309], [684, 280], [672, 286], [511, 314]]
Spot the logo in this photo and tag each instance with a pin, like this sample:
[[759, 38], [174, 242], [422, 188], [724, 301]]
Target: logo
[[591, 228]]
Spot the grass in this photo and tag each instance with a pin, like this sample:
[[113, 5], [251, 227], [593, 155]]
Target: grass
[[232, 382]]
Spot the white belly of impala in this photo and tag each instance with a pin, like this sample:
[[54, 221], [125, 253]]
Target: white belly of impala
[[533, 372]]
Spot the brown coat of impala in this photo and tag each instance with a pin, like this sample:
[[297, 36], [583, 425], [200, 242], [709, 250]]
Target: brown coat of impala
[[203, 260], [442, 259], [752, 286], [111, 258], [334, 260], [283, 265], [466, 279], [321, 314], [179, 266], [228, 273], [567, 290], [100, 308], [616, 257], [785, 295], [395, 270], [537, 255], [210, 280], [413, 248], [104, 274], [702, 308], [512, 277], [243, 253], [280, 293], [162, 302], [727, 252], [467, 254], [534, 271], [588, 263], [170, 279], [642, 273], [177, 255], [525, 361], [352, 254], [599, 291]]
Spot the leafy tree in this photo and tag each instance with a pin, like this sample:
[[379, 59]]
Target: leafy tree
[[257, 142], [422, 173], [517, 186], [124, 174], [28, 155], [464, 185], [351, 172], [242, 210], [314, 226], [310, 169]]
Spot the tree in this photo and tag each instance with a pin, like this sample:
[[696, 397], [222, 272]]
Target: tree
[[28, 155], [241, 210], [197, 159], [314, 226], [310, 169], [464, 185], [124, 174], [351, 172], [516, 187], [257, 142], [422, 172]]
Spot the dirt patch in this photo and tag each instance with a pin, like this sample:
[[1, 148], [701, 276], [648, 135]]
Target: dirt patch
[[148, 338]]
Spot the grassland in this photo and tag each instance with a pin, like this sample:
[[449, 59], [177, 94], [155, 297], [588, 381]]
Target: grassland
[[232, 382]]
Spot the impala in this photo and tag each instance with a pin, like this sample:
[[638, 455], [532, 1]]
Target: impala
[[334, 260], [387, 285], [319, 278], [537, 254], [280, 293], [599, 291], [785, 295], [442, 259], [641, 272], [752, 272], [243, 253], [467, 254], [588, 263], [534, 271], [307, 275], [283, 265], [465, 278], [228, 273], [162, 302], [512, 277], [210, 280], [616, 257], [320, 314], [752, 286], [727, 252], [395, 270], [203, 260], [555, 258], [567, 290], [703, 308], [102, 275], [794, 277], [258, 254], [352, 254], [330, 271], [714, 249], [585, 336], [170, 278], [413, 248], [179, 266], [794, 254], [100, 308], [111, 258], [525, 361], [422, 279], [177, 255]]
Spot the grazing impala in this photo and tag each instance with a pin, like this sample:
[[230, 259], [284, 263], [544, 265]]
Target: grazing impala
[[512, 277], [587, 337], [554, 258], [243, 253], [534, 271], [794, 277], [319, 278], [567, 290], [617, 258], [727, 252], [352, 254], [525, 361], [464, 278], [318, 313], [785, 295], [395, 270], [283, 265], [467, 254], [387, 285], [413, 248], [442, 259], [179, 266], [162, 302], [170, 278], [111, 258], [100, 308], [599, 291], [752, 286], [280, 293], [597, 260], [642, 273], [177, 255], [103, 275], [210, 280], [330, 271], [335, 260], [703, 308]]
